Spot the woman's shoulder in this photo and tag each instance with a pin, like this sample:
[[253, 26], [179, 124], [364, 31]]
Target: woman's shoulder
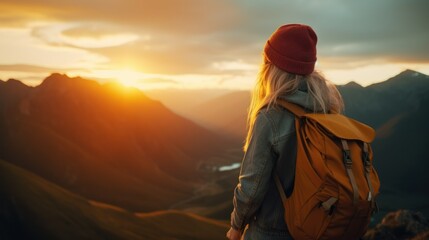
[[276, 113], [281, 120]]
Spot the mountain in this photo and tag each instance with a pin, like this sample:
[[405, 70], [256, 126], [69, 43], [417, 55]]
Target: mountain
[[393, 96], [398, 109], [218, 110], [117, 147], [378, 103], [210, 113], [408, 82], [104, 142], [184, 101], [33, 208], [402, 148]]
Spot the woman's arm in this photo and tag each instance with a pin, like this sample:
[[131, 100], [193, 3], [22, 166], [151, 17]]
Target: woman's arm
[[255, 174]]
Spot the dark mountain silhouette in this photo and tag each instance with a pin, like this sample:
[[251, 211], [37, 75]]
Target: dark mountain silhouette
[[402, 149], [399, 110], [378, 103], [107, 144], [33, 208]]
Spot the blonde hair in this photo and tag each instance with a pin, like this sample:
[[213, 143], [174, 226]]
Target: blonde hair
[[273, 82]]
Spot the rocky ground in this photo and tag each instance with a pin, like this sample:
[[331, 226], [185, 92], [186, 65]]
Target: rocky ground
[[402, 224]]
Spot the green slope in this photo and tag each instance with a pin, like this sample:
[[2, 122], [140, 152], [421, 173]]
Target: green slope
[[33, 208]]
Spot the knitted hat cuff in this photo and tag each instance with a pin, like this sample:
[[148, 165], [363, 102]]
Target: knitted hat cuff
[[288, 64]]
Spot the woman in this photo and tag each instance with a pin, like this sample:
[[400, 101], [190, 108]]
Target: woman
[[287, 73]]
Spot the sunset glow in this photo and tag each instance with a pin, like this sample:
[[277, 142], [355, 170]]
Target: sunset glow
[[144, 44], [145, 119]]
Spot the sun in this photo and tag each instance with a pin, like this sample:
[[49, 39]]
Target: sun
[[127, 77]]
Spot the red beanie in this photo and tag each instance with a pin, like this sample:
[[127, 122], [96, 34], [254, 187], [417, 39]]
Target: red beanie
[[292, 48]]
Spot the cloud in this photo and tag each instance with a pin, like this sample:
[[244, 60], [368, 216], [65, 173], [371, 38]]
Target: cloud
[[390, 29], [178, 17], [210, 37], [182, 57], [63, 34], [170, 37], [17, 46], [33, 68], [158, 81]]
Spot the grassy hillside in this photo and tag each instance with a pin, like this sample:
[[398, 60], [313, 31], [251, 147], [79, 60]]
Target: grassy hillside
[[33, 208]]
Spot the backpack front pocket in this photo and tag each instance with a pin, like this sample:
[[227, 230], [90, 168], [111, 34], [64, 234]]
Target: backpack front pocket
[[314, 218]]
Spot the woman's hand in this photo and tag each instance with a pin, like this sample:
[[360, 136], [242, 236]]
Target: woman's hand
[[233, 234]]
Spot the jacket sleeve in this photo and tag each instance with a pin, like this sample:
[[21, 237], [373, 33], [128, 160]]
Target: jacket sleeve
[[255, 173]]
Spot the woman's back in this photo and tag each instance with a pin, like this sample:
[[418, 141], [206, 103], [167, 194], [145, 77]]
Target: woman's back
[[269, 219], [287, 73]]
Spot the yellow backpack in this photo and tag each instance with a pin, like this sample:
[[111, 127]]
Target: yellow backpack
[[335, 183]]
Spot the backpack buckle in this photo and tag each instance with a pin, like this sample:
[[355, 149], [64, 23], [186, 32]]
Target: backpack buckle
[[368, 166], [365, 156], [366, 162], [347, 159]]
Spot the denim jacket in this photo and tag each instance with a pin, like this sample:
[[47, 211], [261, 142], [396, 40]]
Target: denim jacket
[[272, 149]]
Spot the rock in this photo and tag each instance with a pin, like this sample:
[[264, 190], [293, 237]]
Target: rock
[[422, 236], [402, 224]]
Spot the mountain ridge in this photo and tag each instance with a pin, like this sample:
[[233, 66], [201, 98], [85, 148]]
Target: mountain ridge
[[104, 143]]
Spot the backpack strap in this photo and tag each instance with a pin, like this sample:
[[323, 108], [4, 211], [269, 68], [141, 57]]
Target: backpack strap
[[348, 164], [280, 189], [368, 167], [294, 108], [299, 112]]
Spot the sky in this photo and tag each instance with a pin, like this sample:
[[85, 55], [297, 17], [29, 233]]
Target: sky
[[196, 44]]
